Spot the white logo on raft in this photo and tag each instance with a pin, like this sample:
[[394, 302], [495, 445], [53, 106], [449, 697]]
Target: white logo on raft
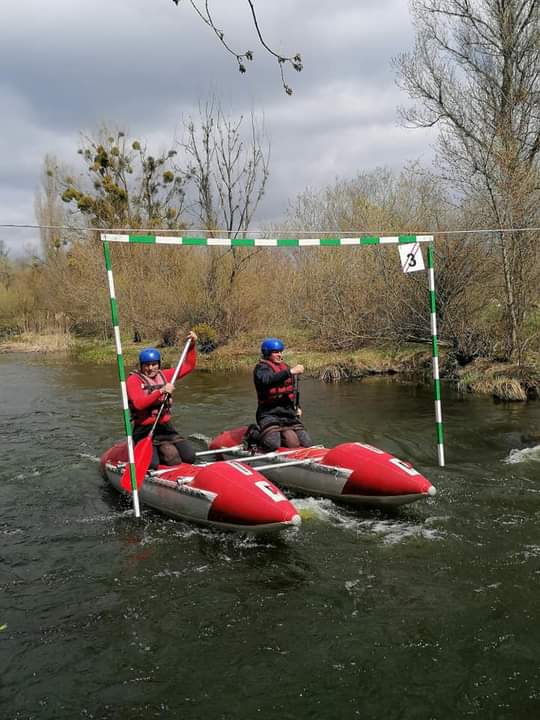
[[407, 468], [270, 490], [370, 447], [242, 468], [395, 461]]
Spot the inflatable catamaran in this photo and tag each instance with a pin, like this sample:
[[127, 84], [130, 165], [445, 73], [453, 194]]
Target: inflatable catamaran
[[239, 490]]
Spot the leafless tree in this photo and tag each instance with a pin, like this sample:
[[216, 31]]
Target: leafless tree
[[50, 210], [228, 169], [475, 73], [5, 266]]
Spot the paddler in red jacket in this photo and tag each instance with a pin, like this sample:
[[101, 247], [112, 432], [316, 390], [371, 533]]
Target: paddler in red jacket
[[278, 414], [147, 388]]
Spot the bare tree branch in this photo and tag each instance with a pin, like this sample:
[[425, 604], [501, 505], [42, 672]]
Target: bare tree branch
[[295, 61]]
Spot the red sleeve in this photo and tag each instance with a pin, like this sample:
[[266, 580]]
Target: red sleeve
[[137, 394], [187, 366], [189, 362]]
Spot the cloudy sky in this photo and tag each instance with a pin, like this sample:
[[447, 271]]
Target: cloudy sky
[[143, 65]]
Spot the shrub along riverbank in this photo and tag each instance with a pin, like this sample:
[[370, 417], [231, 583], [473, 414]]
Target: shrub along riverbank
[[504, 381]]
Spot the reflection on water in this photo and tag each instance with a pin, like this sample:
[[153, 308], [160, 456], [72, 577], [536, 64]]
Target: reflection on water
[[429, 611]]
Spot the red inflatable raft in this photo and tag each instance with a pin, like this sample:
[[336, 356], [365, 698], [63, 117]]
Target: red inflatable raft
[[223, 495], [352, 472]]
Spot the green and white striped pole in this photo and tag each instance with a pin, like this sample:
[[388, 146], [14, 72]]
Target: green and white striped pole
[[435, 356], [122, 377]]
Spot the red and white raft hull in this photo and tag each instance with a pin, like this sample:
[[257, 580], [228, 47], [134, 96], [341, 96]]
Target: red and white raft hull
[[353, 472], [223, 495]]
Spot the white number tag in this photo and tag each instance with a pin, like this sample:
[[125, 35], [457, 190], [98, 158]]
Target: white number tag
[[270, 490], [403, 466]]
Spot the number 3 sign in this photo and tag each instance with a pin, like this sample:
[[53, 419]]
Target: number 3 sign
[[411, 257]]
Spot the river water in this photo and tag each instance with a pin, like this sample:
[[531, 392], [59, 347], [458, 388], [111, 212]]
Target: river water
[[430, 612]]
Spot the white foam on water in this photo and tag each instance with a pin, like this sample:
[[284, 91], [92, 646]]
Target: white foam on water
[[316, 509], [529, 552], [107, 517], [437, 519], [94, 458], [11, 531], [392, 531], [171, 573], [233, 541], [530, 454], [487, 588], [33, 472]]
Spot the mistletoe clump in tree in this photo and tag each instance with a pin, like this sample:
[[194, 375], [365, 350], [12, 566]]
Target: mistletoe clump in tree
[[125, 186]]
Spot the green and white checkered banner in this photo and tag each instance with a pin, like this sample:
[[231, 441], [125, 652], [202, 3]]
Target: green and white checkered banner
[[411, 260], [267, 242]]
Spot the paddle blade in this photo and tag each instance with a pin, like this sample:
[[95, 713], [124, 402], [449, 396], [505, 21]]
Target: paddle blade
[[143, 458]]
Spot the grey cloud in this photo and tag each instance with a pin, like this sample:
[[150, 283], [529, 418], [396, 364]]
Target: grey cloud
[[126, 63], [141, 66]]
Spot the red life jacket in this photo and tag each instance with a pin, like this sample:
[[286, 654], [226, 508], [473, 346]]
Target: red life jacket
[[148, 415], [273, 395]]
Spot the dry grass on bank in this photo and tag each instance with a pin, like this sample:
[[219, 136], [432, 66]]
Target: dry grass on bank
[[57, 342], [327, 365], [502, 380], [385, 360]]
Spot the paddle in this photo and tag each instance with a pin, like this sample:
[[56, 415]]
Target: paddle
[[296, 385], [144, 448]]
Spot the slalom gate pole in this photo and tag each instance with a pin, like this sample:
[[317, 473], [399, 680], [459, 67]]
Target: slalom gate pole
[[435, 356], [277, 242], [122, 377]]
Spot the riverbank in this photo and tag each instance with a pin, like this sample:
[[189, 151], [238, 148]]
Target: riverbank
[[503, 381]]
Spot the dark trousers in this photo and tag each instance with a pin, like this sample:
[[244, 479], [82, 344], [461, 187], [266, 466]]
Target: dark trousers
[[272, 440], [282, 419]]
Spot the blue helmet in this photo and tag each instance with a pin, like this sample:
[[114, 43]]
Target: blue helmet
[[270, 345], [149, 355]]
